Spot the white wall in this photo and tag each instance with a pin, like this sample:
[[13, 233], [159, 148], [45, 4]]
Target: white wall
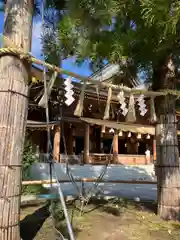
[[40, 171]]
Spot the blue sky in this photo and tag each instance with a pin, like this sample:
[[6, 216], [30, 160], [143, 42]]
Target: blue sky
[[68, 64]]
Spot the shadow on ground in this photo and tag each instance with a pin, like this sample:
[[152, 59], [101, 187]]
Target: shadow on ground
[[59, 220], [102, 219], [32, 223], [114, 206]]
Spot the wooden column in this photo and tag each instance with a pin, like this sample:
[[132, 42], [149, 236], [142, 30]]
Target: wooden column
[[68, 130], [115, 147], [98, 140], [74, 144], [57, 142], [101, 139], [154, 149], [73, 140], [86, 143]]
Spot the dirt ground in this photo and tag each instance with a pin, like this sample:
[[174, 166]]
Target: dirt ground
[[112, 220]]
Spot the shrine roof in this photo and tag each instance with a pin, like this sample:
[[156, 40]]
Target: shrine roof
[[109, 71]]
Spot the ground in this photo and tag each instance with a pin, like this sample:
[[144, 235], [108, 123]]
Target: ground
[[113, 220]]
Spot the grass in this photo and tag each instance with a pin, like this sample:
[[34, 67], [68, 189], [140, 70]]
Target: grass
[[33, 189], [114, 220]]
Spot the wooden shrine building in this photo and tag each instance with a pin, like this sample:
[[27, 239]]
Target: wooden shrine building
[[89, 139]]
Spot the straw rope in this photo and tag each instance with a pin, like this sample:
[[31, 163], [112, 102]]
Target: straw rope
[[28, 56]]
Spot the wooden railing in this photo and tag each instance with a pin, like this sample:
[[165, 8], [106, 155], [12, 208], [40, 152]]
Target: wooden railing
[[101, 159]]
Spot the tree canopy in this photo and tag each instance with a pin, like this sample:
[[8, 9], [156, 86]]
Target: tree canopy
[[141, 33]]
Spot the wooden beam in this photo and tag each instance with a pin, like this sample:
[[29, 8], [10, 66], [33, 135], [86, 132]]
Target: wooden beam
[[40, 182]]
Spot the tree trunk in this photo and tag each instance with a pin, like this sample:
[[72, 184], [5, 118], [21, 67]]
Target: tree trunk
[[14, 107], [168, 165]]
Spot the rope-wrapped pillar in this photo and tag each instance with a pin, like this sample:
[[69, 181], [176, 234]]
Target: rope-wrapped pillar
[[168, 168]]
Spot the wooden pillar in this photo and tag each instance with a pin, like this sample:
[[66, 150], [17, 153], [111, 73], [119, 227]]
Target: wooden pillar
[[57, 141], [92, 143], [86, 143], [69, 140], [154, 149], [74, 141], [115, 147], [98, 140], [101, 139]]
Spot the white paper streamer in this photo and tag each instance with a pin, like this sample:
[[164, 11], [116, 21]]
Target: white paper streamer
[[69, 91], [123, 106], [142, 106]]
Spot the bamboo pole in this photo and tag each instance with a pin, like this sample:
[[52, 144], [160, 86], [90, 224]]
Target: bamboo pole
[[87, 180]]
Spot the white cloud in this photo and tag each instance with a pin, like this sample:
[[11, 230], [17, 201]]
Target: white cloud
[[36, 39]]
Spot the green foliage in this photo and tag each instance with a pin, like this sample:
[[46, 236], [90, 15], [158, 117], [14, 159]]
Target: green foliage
[[29, 157], [144, 32], [164, 14], [57, 210], [34, 190], [60, 5], [50, 36]]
